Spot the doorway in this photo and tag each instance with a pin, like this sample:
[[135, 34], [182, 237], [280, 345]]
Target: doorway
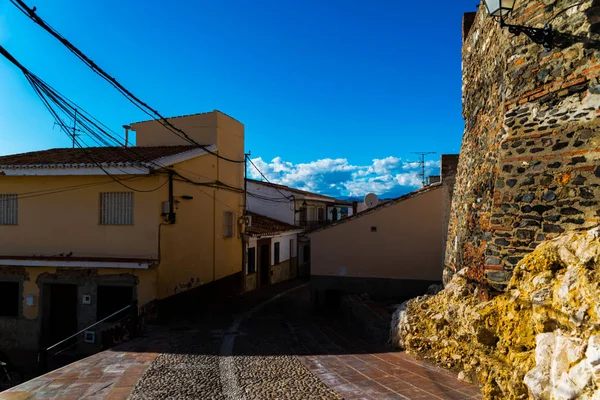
[[264, 261], [60, 312]]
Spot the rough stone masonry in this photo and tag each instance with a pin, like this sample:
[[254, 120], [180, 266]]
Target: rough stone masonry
[[530, 157]]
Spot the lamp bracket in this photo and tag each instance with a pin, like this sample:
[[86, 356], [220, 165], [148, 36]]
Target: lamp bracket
[[543, 36]]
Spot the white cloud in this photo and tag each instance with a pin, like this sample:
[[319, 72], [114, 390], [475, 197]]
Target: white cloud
[[388, 176]]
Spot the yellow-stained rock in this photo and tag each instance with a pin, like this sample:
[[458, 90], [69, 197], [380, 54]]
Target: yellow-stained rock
[[538, 340]]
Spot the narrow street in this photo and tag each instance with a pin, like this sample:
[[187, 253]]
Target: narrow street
[[272, 348]]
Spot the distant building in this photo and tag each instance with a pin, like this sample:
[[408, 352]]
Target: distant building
[[296, 207], [394, 249], [271, 250]]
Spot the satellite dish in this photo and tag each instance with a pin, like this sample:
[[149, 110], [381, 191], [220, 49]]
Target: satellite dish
[[371, 200]]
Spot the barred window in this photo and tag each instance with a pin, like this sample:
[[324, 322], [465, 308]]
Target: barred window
[[228, 227], [116, 208], [9, 209]]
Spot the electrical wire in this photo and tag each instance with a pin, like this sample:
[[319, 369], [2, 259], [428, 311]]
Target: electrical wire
[[270, 199], [215, 199], [53, 99], [153, 113], [45, 192], [263, 175]]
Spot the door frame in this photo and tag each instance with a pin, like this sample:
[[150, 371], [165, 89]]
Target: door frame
[[259, 244]]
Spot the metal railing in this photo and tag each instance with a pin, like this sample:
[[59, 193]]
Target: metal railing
[[44, 356], [310, 225]]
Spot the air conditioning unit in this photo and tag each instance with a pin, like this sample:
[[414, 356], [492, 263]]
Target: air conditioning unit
[[246, 220]]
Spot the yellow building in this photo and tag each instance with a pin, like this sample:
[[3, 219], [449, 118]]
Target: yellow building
[[85, 232]]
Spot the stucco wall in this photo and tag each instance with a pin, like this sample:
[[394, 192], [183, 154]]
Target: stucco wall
[[280, 210], [406, 245], [529, 166], [68, 222], [202, 128]]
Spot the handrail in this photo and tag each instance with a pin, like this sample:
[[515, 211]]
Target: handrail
[[91, 326]]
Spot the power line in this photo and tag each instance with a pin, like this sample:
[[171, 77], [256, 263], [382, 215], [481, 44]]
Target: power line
[[153, 113], [48, 192], [263, 175], [50, 96]]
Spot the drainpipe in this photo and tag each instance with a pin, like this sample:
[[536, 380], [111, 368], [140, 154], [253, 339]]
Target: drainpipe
[[171, 205]]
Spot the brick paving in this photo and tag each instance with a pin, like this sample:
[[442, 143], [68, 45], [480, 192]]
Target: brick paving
[[110, 375], [281, 351], [387, 376]]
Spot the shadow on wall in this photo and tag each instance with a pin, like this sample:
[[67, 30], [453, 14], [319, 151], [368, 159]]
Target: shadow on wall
[[563, 40]]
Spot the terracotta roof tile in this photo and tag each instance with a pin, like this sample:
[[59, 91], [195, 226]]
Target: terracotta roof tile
[[92, 155], [262, 225]]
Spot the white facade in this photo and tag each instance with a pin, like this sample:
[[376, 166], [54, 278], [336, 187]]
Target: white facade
[[269, 201], [286, 252]]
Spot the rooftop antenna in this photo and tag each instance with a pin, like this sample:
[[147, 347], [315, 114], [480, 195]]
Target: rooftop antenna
[[422, 154], [73, 128]]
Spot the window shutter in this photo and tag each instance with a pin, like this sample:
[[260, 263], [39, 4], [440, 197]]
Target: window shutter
[[228, 227], [116, 208], [9, 209]]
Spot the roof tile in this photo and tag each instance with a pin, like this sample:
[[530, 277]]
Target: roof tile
[[93, 155], [262, 225]]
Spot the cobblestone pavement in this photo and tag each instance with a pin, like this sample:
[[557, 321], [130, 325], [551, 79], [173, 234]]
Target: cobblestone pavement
[[264, 345]]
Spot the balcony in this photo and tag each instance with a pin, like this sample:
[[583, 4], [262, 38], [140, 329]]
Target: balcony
[[312, 225]]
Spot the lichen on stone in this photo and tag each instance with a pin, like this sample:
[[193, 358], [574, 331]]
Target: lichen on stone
[[539, 340]]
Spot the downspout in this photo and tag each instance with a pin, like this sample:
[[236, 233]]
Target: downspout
[[214, 233], [171, 205], [243, 234]]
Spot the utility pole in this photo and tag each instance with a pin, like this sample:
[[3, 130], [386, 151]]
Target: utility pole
[[422, 154], [246, 155], [73, 128]]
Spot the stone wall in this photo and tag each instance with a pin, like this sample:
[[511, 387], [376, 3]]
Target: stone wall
[[530, 161], [283, 271]]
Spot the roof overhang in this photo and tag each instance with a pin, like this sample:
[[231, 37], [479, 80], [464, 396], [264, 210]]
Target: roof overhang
[[141, 168], [274, 234], [34, 262]]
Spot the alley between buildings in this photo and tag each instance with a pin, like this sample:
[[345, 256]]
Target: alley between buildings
[[263, 345]]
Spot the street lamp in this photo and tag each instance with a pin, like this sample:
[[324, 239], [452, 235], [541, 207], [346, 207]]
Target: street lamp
[[500, 8], [497, 8]]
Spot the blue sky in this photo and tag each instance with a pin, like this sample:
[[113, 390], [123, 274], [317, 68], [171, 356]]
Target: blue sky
[[334, 94]]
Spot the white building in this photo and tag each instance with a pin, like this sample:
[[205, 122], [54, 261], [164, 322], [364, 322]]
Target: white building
[[271, 251], [303, 209]]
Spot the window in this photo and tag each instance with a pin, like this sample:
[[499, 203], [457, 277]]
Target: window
[[228, 227], [251, 260], [292, 246], [9, 209], [116, 208], [9, 299], [276, 256]]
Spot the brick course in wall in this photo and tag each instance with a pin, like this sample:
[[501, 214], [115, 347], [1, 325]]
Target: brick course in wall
[[530, 158]]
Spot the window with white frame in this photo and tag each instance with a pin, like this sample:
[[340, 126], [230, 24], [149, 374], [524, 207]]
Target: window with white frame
[[228, 225], [116, 208], [9, 209]]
